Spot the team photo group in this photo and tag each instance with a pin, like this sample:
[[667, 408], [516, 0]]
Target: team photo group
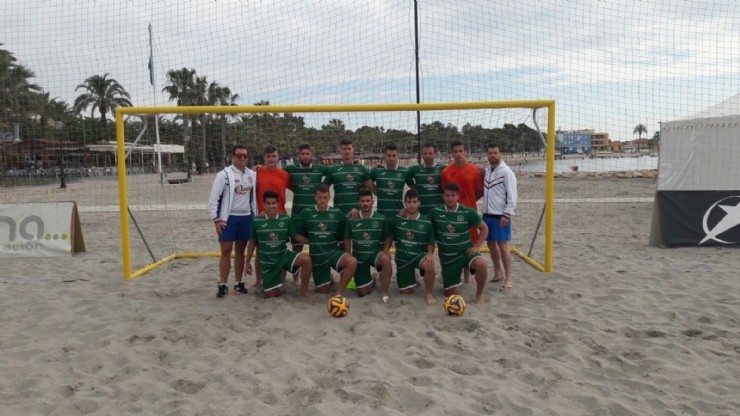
[[437, 212]]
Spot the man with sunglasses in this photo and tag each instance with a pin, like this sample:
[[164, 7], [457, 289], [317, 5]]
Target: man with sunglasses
[[232, 205]]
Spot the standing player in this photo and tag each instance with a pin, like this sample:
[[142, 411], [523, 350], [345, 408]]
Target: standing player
[[347, 178], [452, 222], [499, 203], [389, 181], [414, 237], [269, 232], [323, 228], [426, 178], [232, 203], [304, 178], [365, 238], [469, 181], [272, 177]]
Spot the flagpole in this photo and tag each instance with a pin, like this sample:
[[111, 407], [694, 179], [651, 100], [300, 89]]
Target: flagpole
[[154, 95]]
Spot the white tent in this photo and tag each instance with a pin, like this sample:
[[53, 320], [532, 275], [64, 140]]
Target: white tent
[[698, 196], [702, 152]]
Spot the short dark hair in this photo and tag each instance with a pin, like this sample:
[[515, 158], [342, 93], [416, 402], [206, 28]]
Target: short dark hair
[[390, 146], [456, 143], [237, 147], [270, 194], [411, 194], [270, 149], [305, 146], [323, 188], [364, 192], [451, 187], [428, 145], [346, 142], [494, 146]]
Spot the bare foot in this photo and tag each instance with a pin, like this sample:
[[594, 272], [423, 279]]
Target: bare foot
[[479, 299], [496, 279], [256, 284], [431, 300], [308, 296], [385, 297]]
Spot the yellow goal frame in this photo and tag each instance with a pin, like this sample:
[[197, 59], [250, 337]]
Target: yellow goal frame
[[123, 189]]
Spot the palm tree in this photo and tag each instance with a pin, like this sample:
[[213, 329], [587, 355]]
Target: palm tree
[[182, 90], [639, 129], [218, 95], [103, 94]]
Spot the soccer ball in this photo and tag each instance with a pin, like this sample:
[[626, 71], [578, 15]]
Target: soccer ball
[[338, 306], [454, 305]]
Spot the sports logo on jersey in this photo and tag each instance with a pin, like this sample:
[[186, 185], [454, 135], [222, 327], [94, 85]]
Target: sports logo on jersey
[[366, 235], [460, 218], [722, 219], [409, 235], [376, 224], [391, 184], [450, 228], [350, 178], [322, 226], [264, 225], [331, 216], [421, 227], [273, 236], [306, 179], [430, 179], [281, 224]]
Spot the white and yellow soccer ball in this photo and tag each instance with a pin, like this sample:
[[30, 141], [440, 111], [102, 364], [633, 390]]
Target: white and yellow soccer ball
[[454, 305], [338, 306]]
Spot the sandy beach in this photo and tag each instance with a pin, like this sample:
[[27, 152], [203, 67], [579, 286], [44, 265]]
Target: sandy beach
[[619, 328]]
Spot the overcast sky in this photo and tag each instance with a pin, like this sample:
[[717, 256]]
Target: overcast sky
[[609, 64]]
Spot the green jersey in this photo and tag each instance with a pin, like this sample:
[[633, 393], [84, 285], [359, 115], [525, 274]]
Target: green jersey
[[324, 229], [271, 235], [428, 182], [389, 185], [347, 181], [304, 182], [367, 235], [412, 237], [452, 230]]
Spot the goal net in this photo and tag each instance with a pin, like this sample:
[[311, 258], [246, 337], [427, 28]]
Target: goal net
[[165, 174]]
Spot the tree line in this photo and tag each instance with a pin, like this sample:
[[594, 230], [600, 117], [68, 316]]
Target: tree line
[[209, 137]]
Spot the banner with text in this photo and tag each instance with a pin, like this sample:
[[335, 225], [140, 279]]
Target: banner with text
[[44, 229]]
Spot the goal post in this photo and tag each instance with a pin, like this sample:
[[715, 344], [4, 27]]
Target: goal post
[[160, 211]]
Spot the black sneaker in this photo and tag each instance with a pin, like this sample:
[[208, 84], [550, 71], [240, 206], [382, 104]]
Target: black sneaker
[[240, 288], [222, 291]]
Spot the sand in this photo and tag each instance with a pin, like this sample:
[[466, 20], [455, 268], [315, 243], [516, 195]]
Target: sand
[[618, 328]]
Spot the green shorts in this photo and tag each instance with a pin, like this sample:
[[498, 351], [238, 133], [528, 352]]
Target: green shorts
[[362, 274], [406, 271], [322, 267], [451, 269], [271, 278]]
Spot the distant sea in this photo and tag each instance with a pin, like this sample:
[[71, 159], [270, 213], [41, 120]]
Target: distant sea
[[612, 164]]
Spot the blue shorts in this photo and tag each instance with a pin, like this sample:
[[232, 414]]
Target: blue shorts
[[238, 228], [495, 231]]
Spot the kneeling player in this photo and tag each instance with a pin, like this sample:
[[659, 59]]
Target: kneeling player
[[270, 232], [322, 227], [414, 236], [365, 237], [452, 223]]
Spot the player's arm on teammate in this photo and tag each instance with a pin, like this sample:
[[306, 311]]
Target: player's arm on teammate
[[348, 238], [299, 227], [431, 245]]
